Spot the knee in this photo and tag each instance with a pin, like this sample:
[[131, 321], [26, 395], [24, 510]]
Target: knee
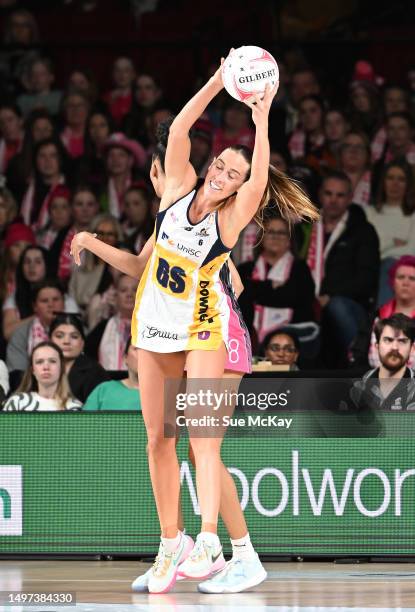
[[204, 448], [157, 444]]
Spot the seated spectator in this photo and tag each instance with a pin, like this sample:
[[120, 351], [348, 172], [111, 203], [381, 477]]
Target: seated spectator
[[236, 129], [40, 77], [48, 175], [83, 373], [118, 394], [402, 281], [139, 223], [355, 162], [307, 141], [76, 107], [279, 289], [8, 211], [107, 340], [119, 99], [147, 96], [364, 109], [11, 134], [17, 237], [38, 126], [122, 155], [336, 126], [342, 251], [82, 79], [92, 167], [391, 386], [33, 267], [4, 381], [47, 299], [201, 146], [84, 209], [160, 114], [44, 386], [59, 217], [395, 100], [399, 140], [93, 275], [394, 219], [282, 348]]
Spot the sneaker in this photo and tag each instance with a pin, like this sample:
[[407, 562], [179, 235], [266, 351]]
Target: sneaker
[[238, 575], [163, 574], [203, 561]]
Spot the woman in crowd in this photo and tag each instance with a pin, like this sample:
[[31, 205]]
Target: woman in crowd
[[44, 386], [59, 217], [278, 287], [106, 342], [393, 218], [119, 99], [139, 222], [364, 108], [76, 108], [236, 129], [32, 268], [92, 169], [147, 95], [336, 126], [355, 162], [83, 372], [306, 142], [17, 237], [8, 211]]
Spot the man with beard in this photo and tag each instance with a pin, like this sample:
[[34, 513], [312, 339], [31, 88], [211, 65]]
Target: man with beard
[[391, 386]]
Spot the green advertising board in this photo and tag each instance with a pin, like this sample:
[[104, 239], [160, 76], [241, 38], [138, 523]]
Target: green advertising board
[[78, 483]]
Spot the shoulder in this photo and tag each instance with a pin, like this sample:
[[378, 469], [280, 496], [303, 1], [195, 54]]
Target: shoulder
[[21, 401]]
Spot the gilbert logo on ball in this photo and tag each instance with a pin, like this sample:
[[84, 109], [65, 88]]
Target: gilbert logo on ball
[[247, 70]]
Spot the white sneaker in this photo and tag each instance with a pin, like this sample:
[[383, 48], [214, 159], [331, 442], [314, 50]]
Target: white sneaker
[[203, 561], [238, 575], [163, 574]]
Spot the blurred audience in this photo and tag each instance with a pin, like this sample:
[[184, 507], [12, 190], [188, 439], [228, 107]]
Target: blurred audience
[[282, 348]]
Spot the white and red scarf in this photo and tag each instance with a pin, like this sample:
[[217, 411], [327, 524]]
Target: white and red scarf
[[27, 205], [37, 334], [267, 319], [116, 199], [112, 346]]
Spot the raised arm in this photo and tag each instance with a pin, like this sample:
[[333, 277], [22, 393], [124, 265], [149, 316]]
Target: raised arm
[[130, 264], [178, 146]]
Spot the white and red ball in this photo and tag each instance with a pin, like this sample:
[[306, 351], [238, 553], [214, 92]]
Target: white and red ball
[[247, 70]]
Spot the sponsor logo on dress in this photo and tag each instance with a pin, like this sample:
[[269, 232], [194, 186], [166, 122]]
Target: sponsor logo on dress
[[204, 302], [188, 228], [188, 250], [203, 335], [203, 232], [154, 332]]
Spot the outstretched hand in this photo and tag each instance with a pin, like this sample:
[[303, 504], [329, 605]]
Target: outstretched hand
[[260, 108], [217, 77], [78, 245]]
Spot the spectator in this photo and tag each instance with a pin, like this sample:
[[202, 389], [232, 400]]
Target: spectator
[[399, 132], [17, 237], [279, 289], [147, 96], [402, 281], [4, 381], [119, 99], [201, 146], [342, 251], [364, 108], [355, 162], [8, 211], [38, 126], [93, 275], [83, 373], [395, 100], [83, 80], [336, 126], [59, 216], [76, 108], [122, 155], [307, 141], [41, 96], [304, 83], [280, 160], [118, 394], [11, 131], [48, 177], [47, 299], [107, 340], [160, 114], [32, 268], [394, 219], [282, 348], [92, 170], [139, 223], [391, 386], [236, 129], [44, 386], [84, 208]]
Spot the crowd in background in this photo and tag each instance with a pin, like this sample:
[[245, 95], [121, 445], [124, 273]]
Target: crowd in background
[[78, 158]]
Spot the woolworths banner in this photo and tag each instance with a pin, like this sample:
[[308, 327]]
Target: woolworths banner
[[79, 483]]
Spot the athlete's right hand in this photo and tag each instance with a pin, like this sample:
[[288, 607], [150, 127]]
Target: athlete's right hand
[[217, 77], [78, 244]]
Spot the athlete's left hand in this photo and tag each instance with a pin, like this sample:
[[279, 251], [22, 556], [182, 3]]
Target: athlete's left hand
[[260, 107]]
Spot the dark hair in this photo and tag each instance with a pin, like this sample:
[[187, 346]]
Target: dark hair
[[405, 116], [47, 283], [45, 143], [287, 332], [67, 318], [127, 345], [313, 98], [23, 287], [90, 150], [337, 175], [13, 107], [398, 322], [162, 135], [408, 204]]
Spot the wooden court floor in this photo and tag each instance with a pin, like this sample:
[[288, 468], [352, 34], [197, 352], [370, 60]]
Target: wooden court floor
[[299, 587]]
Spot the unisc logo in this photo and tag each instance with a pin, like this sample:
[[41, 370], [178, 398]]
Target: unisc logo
[[204, 301]]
